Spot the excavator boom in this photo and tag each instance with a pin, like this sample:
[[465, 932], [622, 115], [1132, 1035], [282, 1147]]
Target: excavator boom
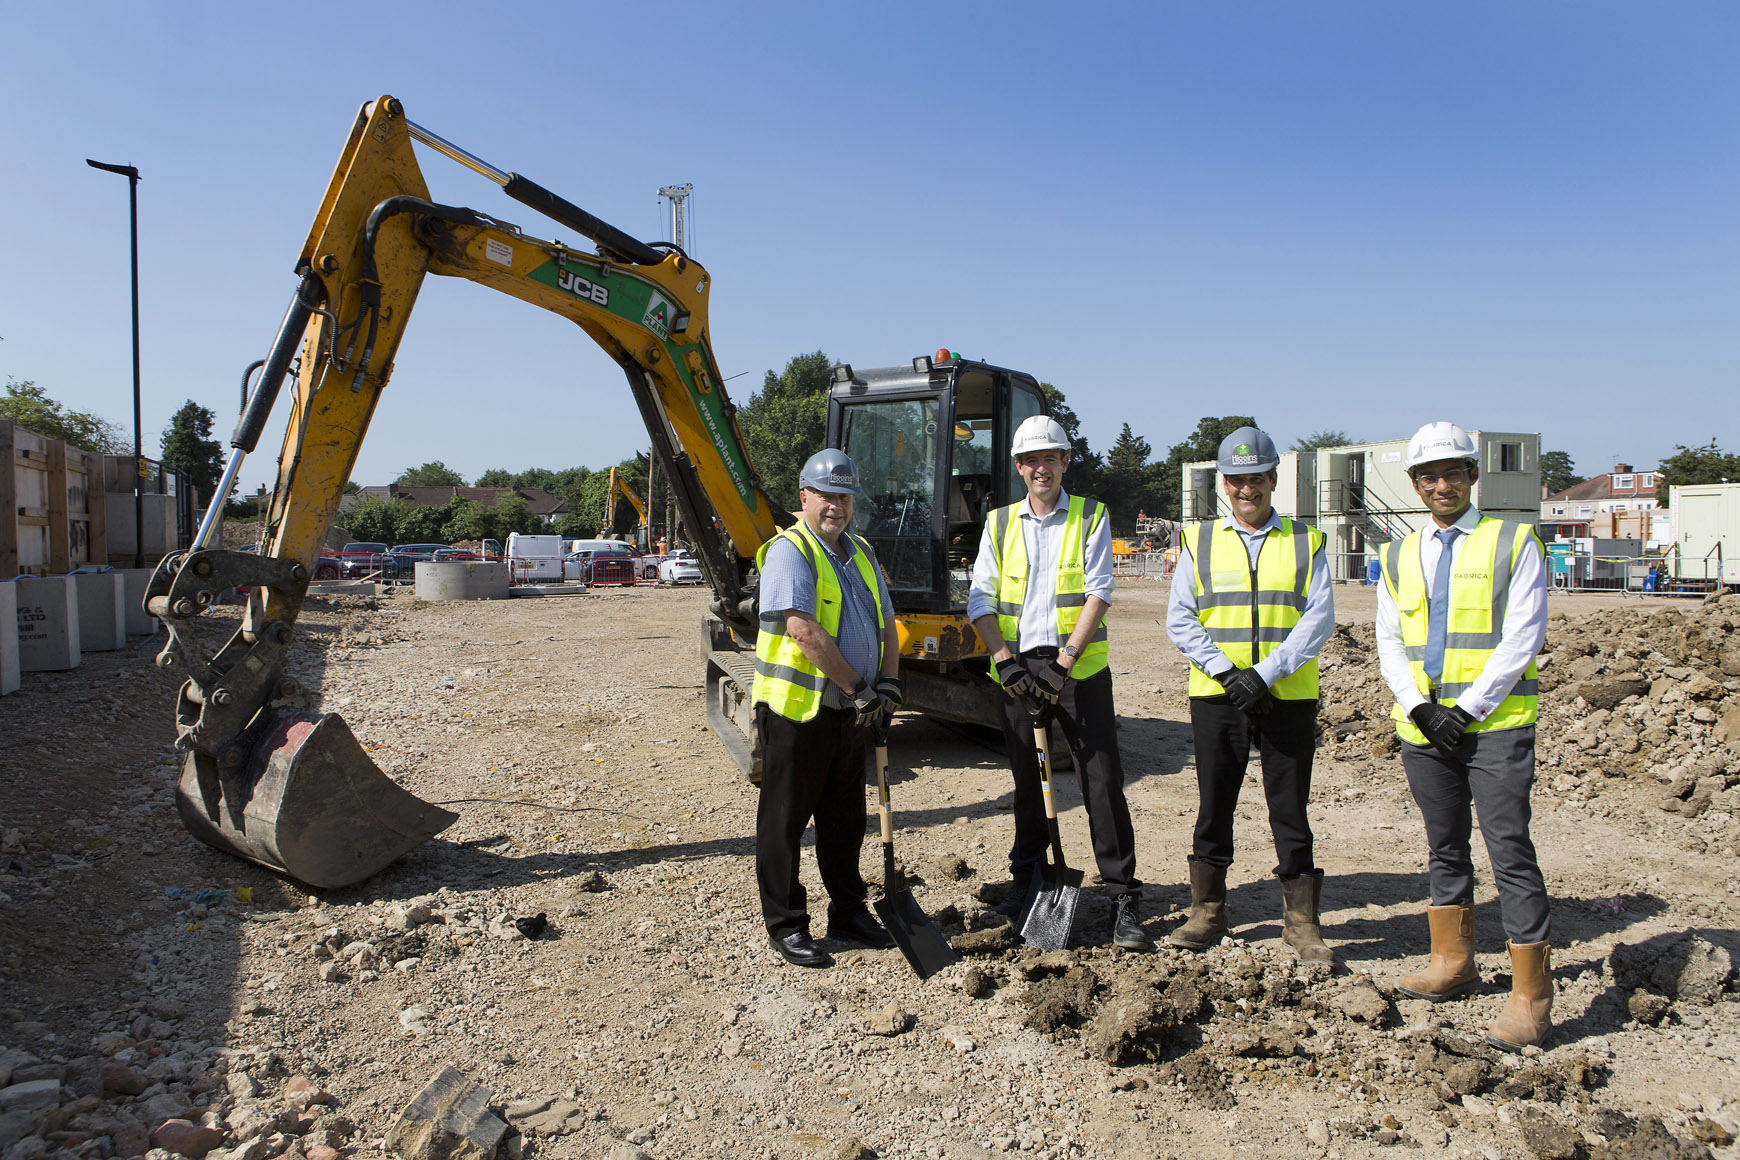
[[263, 776]]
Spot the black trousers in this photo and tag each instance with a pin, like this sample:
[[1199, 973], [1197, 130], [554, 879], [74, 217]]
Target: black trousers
[[1493, 773], [1085, 714], [814, 769], [1286, 739]]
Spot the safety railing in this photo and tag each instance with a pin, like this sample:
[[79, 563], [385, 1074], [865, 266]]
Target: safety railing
[[1358, 502]]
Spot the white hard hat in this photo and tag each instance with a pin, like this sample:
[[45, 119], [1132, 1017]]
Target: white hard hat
[[1039, 433], [1441, 440]]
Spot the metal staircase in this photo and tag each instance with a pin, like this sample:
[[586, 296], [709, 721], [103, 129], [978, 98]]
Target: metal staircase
[[1359, 507]]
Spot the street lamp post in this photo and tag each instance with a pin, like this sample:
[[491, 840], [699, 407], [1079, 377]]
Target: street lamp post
[[131, 173]]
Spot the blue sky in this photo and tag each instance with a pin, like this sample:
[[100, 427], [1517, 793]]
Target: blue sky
[[1359, 216]]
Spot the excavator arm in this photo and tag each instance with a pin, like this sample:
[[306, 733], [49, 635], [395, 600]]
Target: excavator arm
[[619, 486], [264, 776]]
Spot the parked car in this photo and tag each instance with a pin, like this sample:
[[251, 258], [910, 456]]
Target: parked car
[[406, 557], [447, 554], [364, 559], [602, 562], [680, 568]]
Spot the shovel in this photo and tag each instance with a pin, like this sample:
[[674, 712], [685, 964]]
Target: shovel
[[1059, 889], [926, 951]]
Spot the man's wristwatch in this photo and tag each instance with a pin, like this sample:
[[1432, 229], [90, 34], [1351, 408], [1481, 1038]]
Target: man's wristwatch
[[1069, 650]]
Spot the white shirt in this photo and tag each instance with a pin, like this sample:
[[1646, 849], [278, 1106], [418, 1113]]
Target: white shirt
[[1520, 638], [1043, 536], [1304, 640]]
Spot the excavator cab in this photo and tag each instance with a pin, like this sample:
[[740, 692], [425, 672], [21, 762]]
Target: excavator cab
[[931, 441]]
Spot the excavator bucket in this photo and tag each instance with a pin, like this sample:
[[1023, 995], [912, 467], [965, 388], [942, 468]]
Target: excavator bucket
[[308, 803]]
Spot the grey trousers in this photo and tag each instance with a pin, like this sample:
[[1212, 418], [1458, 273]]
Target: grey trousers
[[1493, 772]]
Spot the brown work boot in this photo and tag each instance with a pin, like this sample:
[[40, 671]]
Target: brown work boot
[[1206, 925], [1451, 971], [1300, 895], [1527, 1014]]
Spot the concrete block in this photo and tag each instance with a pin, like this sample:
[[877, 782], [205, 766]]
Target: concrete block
[[462, 580], [48, 623], [102, 600], [139, 622], [9, 679]]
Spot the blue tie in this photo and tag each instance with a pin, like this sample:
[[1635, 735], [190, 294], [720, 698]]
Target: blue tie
[[1438, 608]]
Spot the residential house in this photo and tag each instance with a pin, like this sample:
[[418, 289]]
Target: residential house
[[1618, 505]]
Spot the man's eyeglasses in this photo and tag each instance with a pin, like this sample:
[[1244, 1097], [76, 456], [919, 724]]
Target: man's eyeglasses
[[1454, 476]]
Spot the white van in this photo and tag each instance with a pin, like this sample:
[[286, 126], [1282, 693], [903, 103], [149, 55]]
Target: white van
[[534, 559]]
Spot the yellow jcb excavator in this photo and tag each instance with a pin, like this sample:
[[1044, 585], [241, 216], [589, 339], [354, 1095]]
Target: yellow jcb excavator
[[619, 486], [268, 779]]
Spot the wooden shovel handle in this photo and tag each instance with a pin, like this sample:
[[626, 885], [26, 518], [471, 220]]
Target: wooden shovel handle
[[884, 808]]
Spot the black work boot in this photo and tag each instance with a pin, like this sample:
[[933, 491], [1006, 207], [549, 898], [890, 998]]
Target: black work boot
[[1019, 900], [1206, 925], [1127, 929]]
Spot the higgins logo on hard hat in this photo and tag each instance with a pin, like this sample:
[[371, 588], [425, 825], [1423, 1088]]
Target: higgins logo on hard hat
[[1246, 451]]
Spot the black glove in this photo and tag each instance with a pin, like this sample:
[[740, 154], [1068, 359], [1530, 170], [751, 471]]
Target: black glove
[[1443, 725], [1248, 692], [1049, 683], [870, 706], [892, 690], [1015, 678]]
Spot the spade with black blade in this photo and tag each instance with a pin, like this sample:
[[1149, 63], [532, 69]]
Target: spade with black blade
[[1059, 887], [917, 937]]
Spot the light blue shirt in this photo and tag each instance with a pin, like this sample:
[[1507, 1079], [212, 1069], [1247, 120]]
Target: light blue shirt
[[1316, 622], [1043, 536], [787, 585]]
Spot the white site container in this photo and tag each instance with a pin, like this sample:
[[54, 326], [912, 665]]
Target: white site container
[[102, 598], [9, 678], [48, 623], [1706, 531]]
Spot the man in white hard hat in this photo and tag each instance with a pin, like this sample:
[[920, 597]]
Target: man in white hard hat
[[1041, 586], [1250, 607], [827, 661], [1462, 611]]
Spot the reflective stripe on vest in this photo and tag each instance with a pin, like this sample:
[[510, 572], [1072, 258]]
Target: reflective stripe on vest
[[784, 677], [1479, 598], [1247, 612], [1009, 543]]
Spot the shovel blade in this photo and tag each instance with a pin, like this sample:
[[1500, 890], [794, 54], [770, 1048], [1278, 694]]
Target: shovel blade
[[926, 951], [309, 803], [1053, 911]]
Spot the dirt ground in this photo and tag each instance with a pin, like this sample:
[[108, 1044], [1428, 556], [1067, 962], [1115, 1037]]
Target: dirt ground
[[157, 979]]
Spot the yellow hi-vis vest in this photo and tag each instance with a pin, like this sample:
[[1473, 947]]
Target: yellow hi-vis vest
[[1010, 547], [784, 678], [1249, 611], [1479, 596]]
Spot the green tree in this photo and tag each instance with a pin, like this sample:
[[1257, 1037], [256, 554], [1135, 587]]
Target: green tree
[[496, 477], [1129, 480], [1085, 465], [511, 516], [187, 444], [1558, 472], [1203, 443], [375, 520], [352, 487], [786, 423], [1324, 438], [432, 474], [1689, 465], [467, 520], [29, 406]]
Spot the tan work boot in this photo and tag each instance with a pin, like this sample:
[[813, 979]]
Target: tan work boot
[[1451, 971], [1206, 925], [1527, 1014], [1300, 895]]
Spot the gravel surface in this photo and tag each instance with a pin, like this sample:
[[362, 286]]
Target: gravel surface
[[157, 994]]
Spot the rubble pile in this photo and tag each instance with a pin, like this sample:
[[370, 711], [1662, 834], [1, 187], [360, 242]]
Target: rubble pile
[[1624, 694]]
